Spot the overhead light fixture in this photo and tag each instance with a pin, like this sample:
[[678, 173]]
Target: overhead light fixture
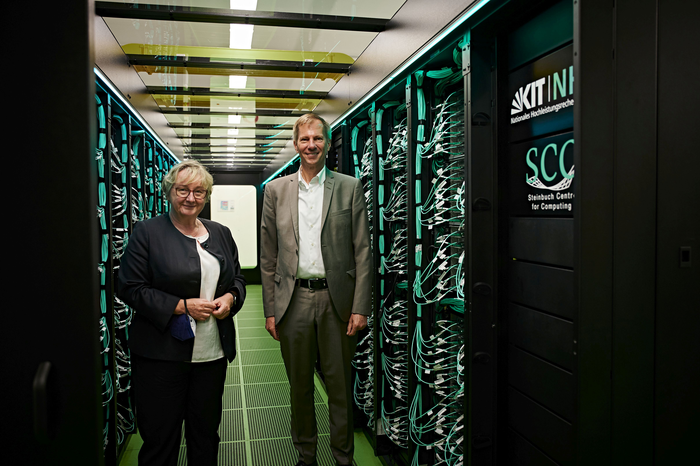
[[237, 82], [241, 35]]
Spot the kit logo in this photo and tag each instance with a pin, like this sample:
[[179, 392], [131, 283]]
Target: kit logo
[[528, 97], [544, 91]]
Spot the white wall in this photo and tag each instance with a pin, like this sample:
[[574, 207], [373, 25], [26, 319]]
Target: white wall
[[235, 207]]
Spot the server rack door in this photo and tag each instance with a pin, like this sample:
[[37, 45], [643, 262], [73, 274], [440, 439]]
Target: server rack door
[[536, 386], [52, 414]]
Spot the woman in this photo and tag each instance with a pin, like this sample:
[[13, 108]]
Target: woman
[[182, 277]]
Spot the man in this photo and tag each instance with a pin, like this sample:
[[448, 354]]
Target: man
[[316, 276]]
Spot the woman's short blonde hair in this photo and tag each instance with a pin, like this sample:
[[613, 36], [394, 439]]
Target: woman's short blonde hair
[[197, 172]]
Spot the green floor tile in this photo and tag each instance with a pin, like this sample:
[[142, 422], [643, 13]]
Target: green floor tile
[[232, 397], [275, 452], [253, 332], [233, 376], [258, 343], [232, 428], [266, 356], [269, 373], [251, 322]]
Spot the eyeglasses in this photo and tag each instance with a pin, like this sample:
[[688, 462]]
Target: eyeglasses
[[184, 192]]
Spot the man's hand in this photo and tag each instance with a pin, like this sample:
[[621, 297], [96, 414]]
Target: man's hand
[[356, 323], [271, 327]]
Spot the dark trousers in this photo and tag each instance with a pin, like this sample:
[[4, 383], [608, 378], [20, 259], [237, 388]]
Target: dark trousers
[[168, 392], [311, 327]]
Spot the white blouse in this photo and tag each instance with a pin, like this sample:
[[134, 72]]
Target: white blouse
[[207, 345]]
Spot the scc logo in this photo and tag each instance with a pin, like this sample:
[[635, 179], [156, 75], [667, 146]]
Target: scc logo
[[550, 150]]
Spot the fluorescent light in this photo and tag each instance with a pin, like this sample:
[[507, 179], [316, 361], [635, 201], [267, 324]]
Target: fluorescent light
[[237, 82], [120, 97], [416, 56], [241, 35], [234, 119], [250, 5]]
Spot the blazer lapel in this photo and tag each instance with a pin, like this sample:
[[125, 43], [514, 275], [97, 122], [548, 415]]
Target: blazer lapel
[[328, 189], [293, 195]]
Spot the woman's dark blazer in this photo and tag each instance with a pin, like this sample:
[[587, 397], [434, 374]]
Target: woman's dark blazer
[[161, 266]]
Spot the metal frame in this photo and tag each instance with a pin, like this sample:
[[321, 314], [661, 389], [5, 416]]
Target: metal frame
[[227, 16], [281, 94], [267, 65]]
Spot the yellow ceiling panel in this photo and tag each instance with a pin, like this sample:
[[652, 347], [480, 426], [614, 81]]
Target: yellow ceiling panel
[[226, 54], [236, 72], [167, 101]]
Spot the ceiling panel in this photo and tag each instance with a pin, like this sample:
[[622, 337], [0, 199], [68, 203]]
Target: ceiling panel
[[232, 91]]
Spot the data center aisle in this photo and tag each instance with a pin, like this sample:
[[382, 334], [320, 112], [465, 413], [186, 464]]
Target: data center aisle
[[255, 423]]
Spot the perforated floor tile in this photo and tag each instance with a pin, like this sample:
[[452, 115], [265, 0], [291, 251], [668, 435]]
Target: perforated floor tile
[[268, 373], [274, 452], [232, 428], [233, 376], [271, 394], [274, 422], [263, 356], [267, 342], [232, 397], [230, 454], [254, 332]]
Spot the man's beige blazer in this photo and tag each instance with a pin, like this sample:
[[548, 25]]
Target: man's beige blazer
[[345, 245]]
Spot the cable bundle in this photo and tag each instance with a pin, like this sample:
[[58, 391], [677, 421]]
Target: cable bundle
[[395, 260], [445, 201], [394, 334], [437, 361], [395, 209], [137, 203], [444, 270], [398, 148], [447, 135], [363, 362]]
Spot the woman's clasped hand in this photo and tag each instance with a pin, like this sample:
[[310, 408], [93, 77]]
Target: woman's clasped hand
[[200, 309]]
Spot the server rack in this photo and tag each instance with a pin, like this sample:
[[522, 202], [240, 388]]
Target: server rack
[[408, 148], [130, 164]]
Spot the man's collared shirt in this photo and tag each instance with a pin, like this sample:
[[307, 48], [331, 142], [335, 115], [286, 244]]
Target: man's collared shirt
[[310, 209]]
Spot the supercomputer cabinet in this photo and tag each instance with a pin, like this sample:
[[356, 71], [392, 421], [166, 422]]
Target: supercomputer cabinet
[[130, 164]]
